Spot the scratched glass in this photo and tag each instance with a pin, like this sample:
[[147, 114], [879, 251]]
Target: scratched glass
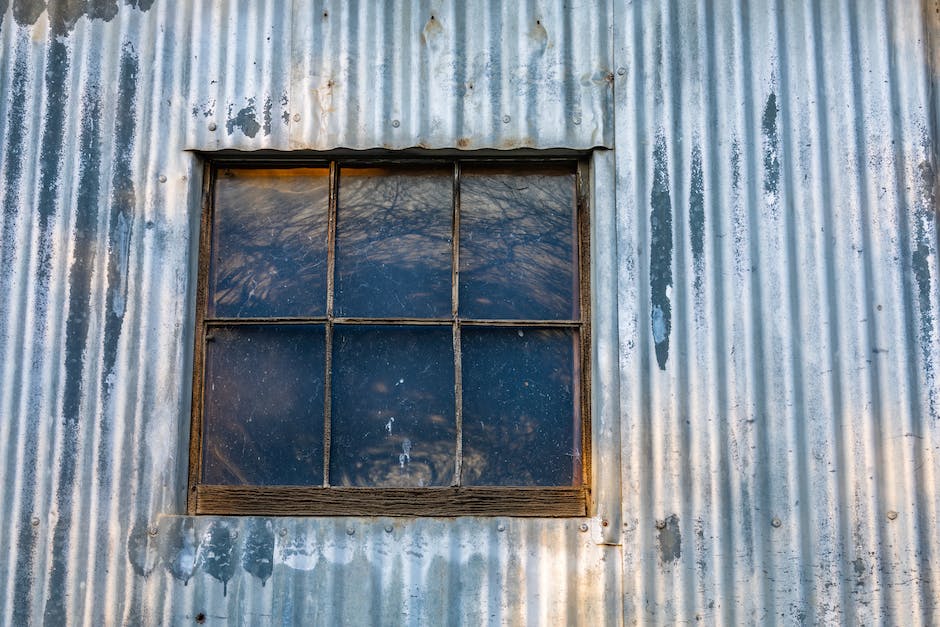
[[521, 419], [518, 244], [393, 243], [264, 405], [393, 419], [270, 243]]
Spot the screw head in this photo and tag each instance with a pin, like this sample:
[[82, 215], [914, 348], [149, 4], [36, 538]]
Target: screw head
[[152, 530], [212, 126], [506, 119], [350, 531], [577, 119], [388, 528], [234, 535], [776, 522], [282, 532], [500, 527], [621, 71], [583, 527], [605, 523], [296, 117], [892, 515], [35, 521], [396, 123], [163, 178]]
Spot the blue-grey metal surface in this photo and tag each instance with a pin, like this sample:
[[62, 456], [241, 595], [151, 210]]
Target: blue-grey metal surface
[[765, 270]]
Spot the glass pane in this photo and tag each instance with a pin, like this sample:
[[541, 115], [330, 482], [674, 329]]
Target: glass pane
[[263, 420], [393, 406], [521, 421], [393, 243], [269, 248], [518, 244]]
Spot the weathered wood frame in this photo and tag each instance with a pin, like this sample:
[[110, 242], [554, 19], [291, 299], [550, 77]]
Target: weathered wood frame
[[561, 501]]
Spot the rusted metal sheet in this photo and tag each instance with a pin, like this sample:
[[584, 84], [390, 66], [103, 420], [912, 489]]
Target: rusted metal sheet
[[765, 304]]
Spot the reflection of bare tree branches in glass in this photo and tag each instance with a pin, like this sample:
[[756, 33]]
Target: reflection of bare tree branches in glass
[[264, 405], [393, 406], [518, 399], [517, 245], [271, 241], [393, 250]]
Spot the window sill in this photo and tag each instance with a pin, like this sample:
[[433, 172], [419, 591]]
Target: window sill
[[548, 502]]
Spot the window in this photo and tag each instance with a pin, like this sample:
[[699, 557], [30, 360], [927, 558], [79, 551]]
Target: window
[[392, 337]]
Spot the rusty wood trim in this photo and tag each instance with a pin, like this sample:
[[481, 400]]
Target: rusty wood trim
[[202, 288], [548, 502], [583, 213], [455, 315], [328, 348]]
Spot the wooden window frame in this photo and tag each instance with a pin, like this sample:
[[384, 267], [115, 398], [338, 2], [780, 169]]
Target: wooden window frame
[[455, 500]]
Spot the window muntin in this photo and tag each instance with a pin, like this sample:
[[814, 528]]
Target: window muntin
[[441, 307]]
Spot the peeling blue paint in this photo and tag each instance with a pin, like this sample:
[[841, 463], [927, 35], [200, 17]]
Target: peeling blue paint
[[771, 146], [217, 554], [245, 120], [924, 226], [56, 87], [180, 549], [258, 557], [266, 115], [120, 227], [697, 218], [669, 540], [660, 253], [64, 15]]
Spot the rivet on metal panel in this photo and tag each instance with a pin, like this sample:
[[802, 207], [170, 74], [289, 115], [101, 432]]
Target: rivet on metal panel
[[35, 522], [776, 522], [396, 123], [388, 528], [350, 531], [506, 119], [660, 524], [583, 527], [162, 178], [621, 71], [500, 527], [296, 117], [892, 515], [152, 530], [212, 126]]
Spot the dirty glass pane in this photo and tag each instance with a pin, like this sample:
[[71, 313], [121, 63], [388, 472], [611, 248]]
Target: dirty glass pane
[[393, 243], [270, 241], [520, 407], [518, 245], [263, 420], [393, 406]]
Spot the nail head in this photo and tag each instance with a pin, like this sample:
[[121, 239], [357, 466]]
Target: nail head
[[212, 126], [583, 527], [776, 522], [892, 515], [296, 117]]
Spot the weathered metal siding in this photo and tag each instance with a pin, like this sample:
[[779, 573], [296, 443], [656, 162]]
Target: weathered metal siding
[[776, 177], [777, 304]]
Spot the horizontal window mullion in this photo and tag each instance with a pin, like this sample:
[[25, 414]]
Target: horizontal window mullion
[[520, 323], [234, 322]]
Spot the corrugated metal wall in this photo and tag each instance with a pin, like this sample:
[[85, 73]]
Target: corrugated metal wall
[[777, 303], [779, 311]]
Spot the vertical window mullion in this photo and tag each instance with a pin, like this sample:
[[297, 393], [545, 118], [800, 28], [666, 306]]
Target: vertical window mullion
[[330, 281], [455, 291]]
